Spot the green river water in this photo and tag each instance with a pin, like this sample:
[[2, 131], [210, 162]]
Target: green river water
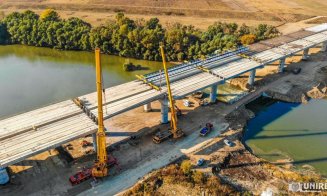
[[32, 77], [289, 130]]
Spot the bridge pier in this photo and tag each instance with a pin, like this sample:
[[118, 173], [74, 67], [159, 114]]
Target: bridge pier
[[4, 176], [147, 107], [94, 138], [324, 47], [305, 54], [213, 93], [164, 110], [252, 77], [281, 65]]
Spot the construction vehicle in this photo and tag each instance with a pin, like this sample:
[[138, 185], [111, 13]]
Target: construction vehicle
[[86, 173], [81, 176], [103, 161], [207, 129], [173, 131]]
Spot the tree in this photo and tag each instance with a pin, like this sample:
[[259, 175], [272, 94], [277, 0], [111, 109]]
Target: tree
[[153, 23], [198, 177], [49, 15], [126, 37], [4, 36]]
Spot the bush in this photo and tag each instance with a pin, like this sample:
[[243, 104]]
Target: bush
[[186, 167], [248, 39], [198, 177]]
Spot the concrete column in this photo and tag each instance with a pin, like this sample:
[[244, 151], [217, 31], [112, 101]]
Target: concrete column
[[324, 47], [4, 176], [147, 107], [251, 77], [281, 65], [94, 137], [164, 110], [213, 93], [305, 54]]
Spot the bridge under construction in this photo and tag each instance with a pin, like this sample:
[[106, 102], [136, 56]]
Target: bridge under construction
[[30, 133]]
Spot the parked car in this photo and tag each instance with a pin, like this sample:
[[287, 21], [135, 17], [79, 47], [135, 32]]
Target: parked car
[[187, 103], [200, 162], [207, 129], [228, 143]]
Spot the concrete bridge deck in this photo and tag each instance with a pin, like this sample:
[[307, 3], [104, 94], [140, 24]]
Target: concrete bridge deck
[[27, 134]]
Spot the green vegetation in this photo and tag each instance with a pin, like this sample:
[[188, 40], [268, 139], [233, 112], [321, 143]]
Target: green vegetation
[[186, 167], [174, 177], [132, 67], [125, 37]]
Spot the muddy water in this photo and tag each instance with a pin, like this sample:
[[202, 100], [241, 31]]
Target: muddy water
[[32, 77], [286, 130]]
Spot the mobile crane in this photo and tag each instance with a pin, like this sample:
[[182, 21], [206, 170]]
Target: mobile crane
[[103, 161], [174, 131]]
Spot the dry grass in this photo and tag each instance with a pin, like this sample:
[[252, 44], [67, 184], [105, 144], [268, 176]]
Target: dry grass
[[318, 20], [172, 180], [200, 13]]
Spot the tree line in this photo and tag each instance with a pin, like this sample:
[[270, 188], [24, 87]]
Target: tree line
[[126, 37]]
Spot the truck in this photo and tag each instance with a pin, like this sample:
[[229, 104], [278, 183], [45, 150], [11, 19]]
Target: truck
[[162, 136], [207, 129]]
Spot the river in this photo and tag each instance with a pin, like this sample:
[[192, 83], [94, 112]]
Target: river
[[32, 77], [289, 130]]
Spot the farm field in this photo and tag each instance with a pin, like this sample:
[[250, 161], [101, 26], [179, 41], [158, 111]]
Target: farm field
[[200, 13]]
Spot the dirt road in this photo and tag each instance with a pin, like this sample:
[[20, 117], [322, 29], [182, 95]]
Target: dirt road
[[162, 157]]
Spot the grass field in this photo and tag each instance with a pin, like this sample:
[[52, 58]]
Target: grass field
[[200, 13]]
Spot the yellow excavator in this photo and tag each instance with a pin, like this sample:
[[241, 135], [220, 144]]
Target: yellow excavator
[[103, 162], [174, 131]]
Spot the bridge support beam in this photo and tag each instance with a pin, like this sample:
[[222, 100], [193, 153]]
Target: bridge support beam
[[147, 107], [94, 138], [251, 77], [213, 93], [305, 54], [281, 65], [164, 111], [324, 47]]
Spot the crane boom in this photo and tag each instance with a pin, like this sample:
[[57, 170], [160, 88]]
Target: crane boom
[[100, 166], [173, 123]]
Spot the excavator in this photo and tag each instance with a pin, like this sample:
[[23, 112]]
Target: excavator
[[173, 131], [103, 162]]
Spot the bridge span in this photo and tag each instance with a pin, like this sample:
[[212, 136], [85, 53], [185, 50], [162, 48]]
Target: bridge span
[[30, 133]]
